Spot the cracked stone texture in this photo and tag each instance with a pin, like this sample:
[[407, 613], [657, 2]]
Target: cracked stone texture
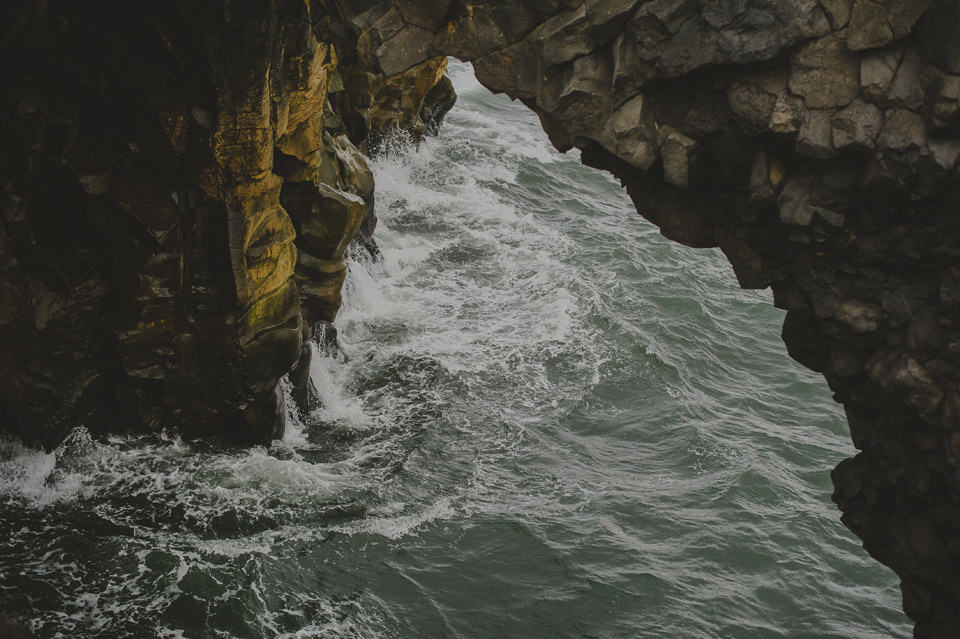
[[816, 142]]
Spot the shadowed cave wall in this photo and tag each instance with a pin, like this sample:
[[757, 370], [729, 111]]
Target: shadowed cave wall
[[182, 182]]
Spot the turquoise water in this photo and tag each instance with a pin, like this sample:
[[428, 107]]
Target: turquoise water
[[546, 421]]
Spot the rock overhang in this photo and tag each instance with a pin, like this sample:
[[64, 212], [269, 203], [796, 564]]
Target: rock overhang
[[816, 142]]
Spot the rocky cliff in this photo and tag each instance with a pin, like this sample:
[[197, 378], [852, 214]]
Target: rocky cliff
[[164, 162], [816, 144], [180, 185]]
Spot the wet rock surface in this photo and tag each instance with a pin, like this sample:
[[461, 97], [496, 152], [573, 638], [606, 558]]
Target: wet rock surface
[[816, 143], [180, 184], [179, 190]]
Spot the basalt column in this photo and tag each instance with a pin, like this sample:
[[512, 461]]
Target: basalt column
[[814, 142]]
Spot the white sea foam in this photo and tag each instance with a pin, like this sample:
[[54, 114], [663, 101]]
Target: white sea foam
[[362, 297], [522, 376], [338, 403], [394, 521], [43, 479], [260, 476], [517, 137], [24, 472]]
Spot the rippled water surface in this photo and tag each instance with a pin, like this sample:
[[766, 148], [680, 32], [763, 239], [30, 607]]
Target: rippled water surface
[[547, 421]]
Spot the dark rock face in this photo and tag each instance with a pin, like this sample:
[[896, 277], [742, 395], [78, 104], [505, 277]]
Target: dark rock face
[[178, 194], [816, 143], [161, 163]]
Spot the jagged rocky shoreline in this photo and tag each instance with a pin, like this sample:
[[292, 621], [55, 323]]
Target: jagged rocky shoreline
[[180, 188], [180, 185]]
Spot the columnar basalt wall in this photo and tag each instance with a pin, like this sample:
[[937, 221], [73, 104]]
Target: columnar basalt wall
[[161, 164], [814, 142]]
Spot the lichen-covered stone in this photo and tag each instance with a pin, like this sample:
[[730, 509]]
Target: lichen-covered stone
[[184, 302], [398, 102]]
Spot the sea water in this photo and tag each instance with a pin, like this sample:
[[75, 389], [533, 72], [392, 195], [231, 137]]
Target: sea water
[[545, 421]]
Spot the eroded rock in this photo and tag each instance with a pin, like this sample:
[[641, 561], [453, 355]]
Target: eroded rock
[[209, 190], [816, 142], [837, 193]]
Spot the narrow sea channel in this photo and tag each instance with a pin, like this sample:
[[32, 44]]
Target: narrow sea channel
[[546, 421]]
